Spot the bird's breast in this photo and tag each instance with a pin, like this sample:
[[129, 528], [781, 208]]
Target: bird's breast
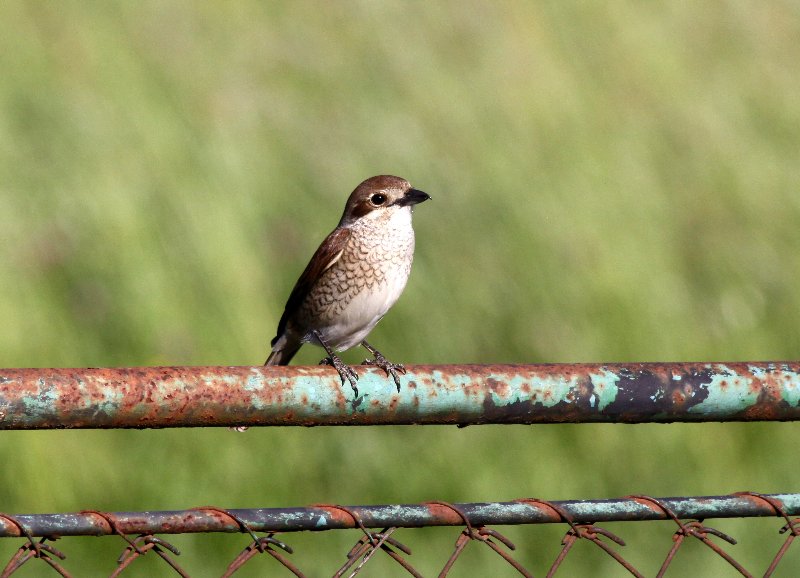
[[353, 295]]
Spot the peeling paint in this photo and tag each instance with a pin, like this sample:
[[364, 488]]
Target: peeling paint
[[727, 393], [605, 386]]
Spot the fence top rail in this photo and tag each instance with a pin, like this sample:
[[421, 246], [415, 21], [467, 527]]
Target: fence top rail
[[158, 397]]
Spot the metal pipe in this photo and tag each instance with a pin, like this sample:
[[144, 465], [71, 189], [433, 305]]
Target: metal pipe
[[157, 397], [321, 517]]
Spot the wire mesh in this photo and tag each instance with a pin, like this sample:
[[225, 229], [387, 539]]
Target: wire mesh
[[379, 528]]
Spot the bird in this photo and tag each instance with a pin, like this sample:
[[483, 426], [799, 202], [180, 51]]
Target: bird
[[353, 279]]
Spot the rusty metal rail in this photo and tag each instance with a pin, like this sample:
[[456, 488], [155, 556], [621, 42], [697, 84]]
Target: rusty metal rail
[[324, 517], [157, 397]]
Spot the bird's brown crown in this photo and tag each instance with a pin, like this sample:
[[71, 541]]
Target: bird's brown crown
[[374, 194]]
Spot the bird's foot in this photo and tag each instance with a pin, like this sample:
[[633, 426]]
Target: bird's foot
[[346, 373], [391, 369]]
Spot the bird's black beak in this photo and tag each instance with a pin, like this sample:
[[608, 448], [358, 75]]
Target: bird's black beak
[[412, 197]]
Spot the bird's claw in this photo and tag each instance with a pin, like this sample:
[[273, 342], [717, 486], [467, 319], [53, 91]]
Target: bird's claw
[[346, 373], [390, 368]]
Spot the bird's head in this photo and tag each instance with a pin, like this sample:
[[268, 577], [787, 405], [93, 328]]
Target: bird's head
[[379, 198]]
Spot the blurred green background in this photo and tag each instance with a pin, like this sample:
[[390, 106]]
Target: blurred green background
[[611, 182]]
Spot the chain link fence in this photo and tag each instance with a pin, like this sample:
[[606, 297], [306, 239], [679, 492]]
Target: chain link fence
[[463, 395], [142, 532]]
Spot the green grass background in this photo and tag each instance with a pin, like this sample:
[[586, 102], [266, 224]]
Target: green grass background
[[611, 181]]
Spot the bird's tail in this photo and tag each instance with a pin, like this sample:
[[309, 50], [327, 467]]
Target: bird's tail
[[282, 353]]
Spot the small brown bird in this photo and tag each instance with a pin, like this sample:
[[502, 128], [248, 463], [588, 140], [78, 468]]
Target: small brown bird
[[354, 278]]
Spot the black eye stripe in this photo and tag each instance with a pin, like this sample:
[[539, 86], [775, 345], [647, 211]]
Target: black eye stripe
[[378, 199]]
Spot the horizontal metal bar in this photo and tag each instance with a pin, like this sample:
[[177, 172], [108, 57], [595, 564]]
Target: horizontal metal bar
[[155, 397], [321, 517]]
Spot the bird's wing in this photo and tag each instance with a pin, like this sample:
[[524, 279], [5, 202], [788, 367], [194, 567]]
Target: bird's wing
[[326, 255]]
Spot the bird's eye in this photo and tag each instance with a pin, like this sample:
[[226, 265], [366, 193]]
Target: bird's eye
[[378, 199]]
